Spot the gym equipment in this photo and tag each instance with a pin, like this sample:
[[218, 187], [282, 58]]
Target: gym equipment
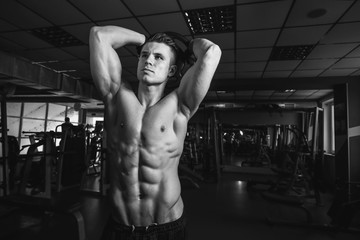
[[48, 178], [94, 147], [38, 166], [6, 89], [297, 166], [44, 181], [252, 144], [189, 159], [211, 150], [4, 184], [48, 168], [95, 160]]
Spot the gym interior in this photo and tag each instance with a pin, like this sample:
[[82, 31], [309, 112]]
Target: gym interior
[[273, 151]]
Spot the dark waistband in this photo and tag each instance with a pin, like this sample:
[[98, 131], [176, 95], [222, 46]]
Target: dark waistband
[[177, 224]]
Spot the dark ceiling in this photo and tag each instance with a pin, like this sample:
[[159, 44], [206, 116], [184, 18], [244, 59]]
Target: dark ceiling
[[268, 46]]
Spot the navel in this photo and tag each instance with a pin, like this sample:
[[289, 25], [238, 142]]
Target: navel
[[122, 125], [162, 128]]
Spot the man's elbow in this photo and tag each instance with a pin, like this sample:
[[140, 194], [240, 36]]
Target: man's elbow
[[214, 51], [96, 33]]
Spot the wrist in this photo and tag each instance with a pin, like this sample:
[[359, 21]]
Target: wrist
[[142, 39]]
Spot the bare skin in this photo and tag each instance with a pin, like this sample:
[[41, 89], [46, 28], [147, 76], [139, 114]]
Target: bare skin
[[146, 132]]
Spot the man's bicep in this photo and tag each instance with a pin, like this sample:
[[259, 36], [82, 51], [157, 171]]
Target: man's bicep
[[105, 69], [196, 81], [195, 85]]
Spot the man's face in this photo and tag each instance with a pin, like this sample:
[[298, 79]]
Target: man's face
[[156, 63]]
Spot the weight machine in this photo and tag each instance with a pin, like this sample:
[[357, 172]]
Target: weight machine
[[44, 180], [96, 169], [48, 177], [48, 168]]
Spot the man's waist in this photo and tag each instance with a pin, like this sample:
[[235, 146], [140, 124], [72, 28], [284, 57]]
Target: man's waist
[[159, 227]]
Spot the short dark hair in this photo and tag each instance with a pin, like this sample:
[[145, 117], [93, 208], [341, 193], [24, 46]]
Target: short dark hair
[[165, 38]]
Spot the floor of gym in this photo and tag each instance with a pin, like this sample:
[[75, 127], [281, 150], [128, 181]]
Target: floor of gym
[[228, 209]]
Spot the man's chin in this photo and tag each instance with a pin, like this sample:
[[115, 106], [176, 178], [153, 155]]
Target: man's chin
[[151, 81]]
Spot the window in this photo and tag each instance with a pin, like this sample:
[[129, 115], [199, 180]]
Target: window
[[329, 126], [34, 110], [25, 118], [14, 122], [13, 109], [56, 112]]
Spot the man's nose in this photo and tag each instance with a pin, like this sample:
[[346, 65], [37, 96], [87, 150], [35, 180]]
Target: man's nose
[[149, 60]]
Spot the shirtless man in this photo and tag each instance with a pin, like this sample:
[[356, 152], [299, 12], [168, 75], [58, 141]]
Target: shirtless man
[[146, 132]]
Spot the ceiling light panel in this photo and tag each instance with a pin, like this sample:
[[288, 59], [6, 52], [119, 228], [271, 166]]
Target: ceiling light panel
[[56, 36], [291, 52], [210, 20]]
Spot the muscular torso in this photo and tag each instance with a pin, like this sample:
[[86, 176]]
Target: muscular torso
[[144, 146]]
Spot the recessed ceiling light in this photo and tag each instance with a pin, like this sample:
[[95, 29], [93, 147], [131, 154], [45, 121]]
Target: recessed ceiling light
[[207, 20], [56, 36], [316, 13], [299, 52], [287, 91]]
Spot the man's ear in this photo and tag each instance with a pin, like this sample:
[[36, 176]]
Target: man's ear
[[172, 70]]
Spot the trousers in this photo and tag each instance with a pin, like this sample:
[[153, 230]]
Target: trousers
[[175, 230]]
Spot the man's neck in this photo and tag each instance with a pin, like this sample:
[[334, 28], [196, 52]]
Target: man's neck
[[150, 95]]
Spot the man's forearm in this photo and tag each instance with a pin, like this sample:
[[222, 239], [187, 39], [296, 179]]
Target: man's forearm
[[116, 36], [199, 46]]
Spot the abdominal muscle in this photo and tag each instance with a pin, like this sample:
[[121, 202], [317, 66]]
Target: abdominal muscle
[[144, 188]]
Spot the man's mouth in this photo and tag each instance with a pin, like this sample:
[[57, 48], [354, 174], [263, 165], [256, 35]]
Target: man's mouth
[[147, 70]]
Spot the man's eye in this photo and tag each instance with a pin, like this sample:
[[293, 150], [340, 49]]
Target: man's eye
[[158, 58]]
